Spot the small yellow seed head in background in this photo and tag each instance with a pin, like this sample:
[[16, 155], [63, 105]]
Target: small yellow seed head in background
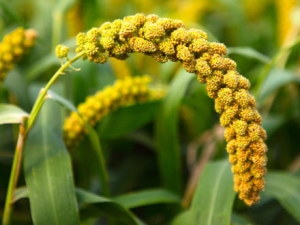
[[130, 90], [12, 48]]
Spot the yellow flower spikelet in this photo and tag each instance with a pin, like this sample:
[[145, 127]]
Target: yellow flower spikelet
[[13, 46], [167, 39], [126, 91]]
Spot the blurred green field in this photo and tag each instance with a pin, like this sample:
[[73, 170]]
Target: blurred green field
[[157, 162]]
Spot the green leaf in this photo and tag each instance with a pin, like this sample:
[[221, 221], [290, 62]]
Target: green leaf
[[214, 196], [239, 220], [276, 79], [94, 140], [146, 197], [248, 52], [127, 119], [187, 217], [286, 189], [48, 172], [61, 100], [11, 114], [100, 206], [166, 133], [20, 192]]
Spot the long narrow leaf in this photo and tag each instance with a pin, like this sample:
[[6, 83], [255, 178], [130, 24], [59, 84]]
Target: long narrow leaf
[[21, 192], [48, 171], [127, 119], [11, 114], [214, 196], [286, 189], [147, 197], [276, 79], [166, 135], [100, 206], [187, 217], [94, 140], [248, 52]]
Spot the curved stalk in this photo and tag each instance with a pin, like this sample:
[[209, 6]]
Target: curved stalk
[[38, 104]]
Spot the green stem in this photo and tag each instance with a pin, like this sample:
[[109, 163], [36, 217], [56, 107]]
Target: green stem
[[13, 177], [39, 102]]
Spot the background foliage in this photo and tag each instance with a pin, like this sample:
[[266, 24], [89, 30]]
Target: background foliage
[[154, 152]]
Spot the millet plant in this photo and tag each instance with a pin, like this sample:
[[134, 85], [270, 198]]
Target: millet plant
[[49, 144]]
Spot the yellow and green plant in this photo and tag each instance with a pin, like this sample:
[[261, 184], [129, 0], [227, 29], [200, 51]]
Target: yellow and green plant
[[136, 131]]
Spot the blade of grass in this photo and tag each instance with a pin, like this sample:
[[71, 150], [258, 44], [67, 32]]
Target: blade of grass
[[248, 52], [95, 142], [127, 119], [285, 188], [214, 196], [146, 197], [11, 114], [48, 171], [95, 206]]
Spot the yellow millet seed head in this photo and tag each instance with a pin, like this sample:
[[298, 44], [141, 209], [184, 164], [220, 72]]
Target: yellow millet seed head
[[233, 159], [127, 30], [183, 53], [226, 96], [231, 146], [152, 18], [203, 69], [189, 66], [243, 83], [217, 62], [92, 35], [13, 46], [255, 132], [242, 142], [217, 48], [153, 31], [229, 115], [167, 39], [197, 34], [244, 99], [167, 47], [61, 51], [242, 155], [181, 35], [248, 114], [240, 127], [170, 24], [137, 20], [199, 45], [213, 85], [159, 57], [141, 45], [229, 133], [231, 79], [130, 90]]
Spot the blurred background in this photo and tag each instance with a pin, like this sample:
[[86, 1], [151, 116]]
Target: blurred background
[[261, 36]]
